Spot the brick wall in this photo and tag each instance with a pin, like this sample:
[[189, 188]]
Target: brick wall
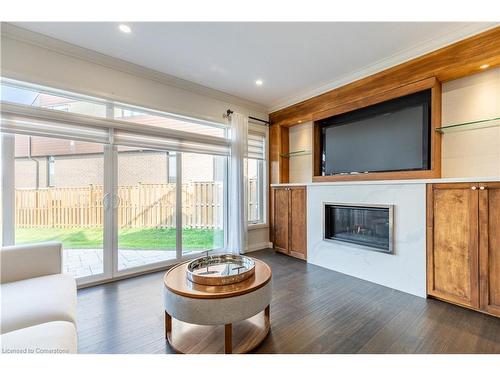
[[133, 168]]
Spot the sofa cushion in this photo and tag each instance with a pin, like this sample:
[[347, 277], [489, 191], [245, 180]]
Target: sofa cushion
[[23, 262], [38, 300], [47, 338]]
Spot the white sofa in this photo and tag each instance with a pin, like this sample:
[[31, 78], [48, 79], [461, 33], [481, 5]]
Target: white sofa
[[38, 301]]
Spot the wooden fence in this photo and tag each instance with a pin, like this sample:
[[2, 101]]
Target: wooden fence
[[138, 206]]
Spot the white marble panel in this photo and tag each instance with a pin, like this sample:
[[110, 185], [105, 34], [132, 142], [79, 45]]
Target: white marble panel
[[404, 270]]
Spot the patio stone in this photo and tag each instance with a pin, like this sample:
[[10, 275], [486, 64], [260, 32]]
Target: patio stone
[[87, 262]]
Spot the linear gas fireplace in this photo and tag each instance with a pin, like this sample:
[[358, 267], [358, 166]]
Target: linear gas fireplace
[[368, 226]]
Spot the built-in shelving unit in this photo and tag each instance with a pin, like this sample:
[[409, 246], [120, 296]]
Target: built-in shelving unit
[[472, 125]]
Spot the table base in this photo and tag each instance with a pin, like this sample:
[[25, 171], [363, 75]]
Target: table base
[[240, 337]]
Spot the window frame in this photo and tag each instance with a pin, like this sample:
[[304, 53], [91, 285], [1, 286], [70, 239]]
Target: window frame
[[263, 171], [110, 247], [51, 167]]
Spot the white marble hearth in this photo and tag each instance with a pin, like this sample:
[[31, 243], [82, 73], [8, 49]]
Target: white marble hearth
[[404, 270]]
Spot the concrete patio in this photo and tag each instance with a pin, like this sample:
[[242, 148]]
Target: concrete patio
[[88, 262]]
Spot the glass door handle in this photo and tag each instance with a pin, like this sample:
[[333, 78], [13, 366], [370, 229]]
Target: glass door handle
[[116, 201], [105, 201]]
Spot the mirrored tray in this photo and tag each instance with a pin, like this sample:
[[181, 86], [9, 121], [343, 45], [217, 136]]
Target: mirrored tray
[[220, 269]]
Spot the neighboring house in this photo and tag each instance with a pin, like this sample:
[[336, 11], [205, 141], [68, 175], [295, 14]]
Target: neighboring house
[[44, 162]]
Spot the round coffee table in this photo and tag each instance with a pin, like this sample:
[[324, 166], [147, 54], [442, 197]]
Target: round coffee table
[[217, 319]]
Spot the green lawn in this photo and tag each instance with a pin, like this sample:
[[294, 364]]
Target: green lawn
[[146, 239]]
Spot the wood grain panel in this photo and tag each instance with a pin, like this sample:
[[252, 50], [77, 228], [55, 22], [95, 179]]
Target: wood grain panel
[[284, 161], [281, 219], [366, 101], [489, 247], [436, 108], [278, 145], [452, 255], [316, 150], [298, 223], [274, 153], [454, 61]]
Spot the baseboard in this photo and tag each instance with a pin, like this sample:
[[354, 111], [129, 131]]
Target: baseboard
[[258, 246]]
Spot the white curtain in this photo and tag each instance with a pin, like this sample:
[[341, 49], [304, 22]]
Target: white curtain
[[237, 187]]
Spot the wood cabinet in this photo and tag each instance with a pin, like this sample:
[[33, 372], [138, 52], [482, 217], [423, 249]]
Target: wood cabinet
[[452, 257], [489, 248], [281, 218], [463, 244], [289, 223]]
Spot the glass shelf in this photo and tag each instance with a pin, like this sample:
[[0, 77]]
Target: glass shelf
[[480, 124], [295, 153]]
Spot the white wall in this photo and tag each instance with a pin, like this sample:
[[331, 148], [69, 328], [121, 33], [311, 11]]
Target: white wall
[[473, 153], [28, 62], [405, 269], [34, 58]]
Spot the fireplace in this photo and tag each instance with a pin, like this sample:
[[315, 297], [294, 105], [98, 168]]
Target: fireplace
[[366, 226]]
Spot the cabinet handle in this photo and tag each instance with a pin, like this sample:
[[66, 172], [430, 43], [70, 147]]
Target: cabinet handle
[[474, 187], [482, 188]]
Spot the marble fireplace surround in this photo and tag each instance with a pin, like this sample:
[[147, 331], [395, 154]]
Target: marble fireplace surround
[[405, 269]]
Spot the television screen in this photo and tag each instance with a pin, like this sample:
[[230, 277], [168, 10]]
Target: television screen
[[391, 136]]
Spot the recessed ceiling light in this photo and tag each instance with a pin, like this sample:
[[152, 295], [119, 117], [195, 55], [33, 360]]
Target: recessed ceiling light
[[300, 121], [259, 82], [125, 29], [484, 66]]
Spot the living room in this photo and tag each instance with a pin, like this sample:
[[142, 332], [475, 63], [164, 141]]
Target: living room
[[206, 187]]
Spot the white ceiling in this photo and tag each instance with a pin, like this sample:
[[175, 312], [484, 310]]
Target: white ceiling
[[294, 60]]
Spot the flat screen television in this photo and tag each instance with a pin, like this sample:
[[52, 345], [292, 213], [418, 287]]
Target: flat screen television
[[389, 136]]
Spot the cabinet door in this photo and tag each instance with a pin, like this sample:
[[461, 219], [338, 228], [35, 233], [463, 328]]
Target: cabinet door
[[489, 247], [452, 247], [280, 221], [298, 224]]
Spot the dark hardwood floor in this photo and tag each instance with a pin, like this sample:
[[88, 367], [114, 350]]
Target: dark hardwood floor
[[314, 310]]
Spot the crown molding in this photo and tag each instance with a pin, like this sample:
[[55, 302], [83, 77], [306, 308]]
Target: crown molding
[[40, 40], [381, 65]]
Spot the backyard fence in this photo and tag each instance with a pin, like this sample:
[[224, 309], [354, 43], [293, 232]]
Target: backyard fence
[[138, 206]]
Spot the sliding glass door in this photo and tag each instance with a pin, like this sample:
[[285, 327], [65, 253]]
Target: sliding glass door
[[117, 209], [169, 206], [124, 189], [146, 194], [59, 196], [203, 207]]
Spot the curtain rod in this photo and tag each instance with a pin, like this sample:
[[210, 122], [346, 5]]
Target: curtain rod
[[229, 112]]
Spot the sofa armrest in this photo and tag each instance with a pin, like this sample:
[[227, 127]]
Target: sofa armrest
[[28, 261]]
